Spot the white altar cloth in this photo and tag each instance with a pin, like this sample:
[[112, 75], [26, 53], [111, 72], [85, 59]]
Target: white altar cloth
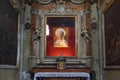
[[61, 74]]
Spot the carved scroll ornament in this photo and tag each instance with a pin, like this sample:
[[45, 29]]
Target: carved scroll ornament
[[58, 5]]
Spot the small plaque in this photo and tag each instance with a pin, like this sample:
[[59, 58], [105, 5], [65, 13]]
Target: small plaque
[[61, 62]]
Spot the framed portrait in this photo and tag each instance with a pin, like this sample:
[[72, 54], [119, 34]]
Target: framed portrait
[[8, 34], [60, 35], [111, 39]]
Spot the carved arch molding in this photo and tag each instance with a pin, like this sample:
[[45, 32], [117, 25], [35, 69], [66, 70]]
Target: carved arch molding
[[61, 1], [80, 8]]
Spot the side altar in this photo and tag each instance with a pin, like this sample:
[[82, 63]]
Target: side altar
[[61, 70], [71, 72], [61, 26]]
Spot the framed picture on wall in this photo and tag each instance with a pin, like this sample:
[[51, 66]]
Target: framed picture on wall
[[60, 35], [8, 34], [111, 35]]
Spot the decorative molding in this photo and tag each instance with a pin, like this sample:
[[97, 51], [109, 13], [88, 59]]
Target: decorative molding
[[13, 2], [106, 5], [77, 1], [78, 7], [15, 5], [44, 1], [43, 7], [47, 2], [60, 6]]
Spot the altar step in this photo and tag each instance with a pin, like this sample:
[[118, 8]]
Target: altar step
[[54, 66]]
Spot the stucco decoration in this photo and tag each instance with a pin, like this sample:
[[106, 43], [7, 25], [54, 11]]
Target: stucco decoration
[[60, 6], [60, 1], [77, 1], [44, 1]]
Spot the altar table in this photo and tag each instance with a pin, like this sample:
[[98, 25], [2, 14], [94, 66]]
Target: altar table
[[61, 74]]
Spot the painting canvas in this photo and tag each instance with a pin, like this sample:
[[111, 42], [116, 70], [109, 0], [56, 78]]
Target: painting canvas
[[8, 33], [112, 36], [60, 36]]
